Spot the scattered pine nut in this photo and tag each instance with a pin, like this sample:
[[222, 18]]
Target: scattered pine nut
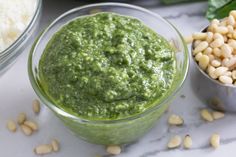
[[217, 115], [174, 142], [26, 130], [21, 118], [114, 149], [43, 149], [215, 140], [36, 106], [55, 145], [188, 142], [175, 120], [206, 115], [32, 125], [11, 126]]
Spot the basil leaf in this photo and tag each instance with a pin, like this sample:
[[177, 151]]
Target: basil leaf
[[220, 8], [179, 1]]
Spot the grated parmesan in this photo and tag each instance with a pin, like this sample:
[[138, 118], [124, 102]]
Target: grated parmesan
[[15, 15]]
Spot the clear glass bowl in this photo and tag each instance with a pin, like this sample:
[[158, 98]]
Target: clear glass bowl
[[9, 55], [112, 131]]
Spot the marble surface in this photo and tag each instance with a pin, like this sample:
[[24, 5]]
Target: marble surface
[[16, 95]]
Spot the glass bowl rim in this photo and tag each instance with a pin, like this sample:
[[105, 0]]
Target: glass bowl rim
[[21, 38], [62, 112]]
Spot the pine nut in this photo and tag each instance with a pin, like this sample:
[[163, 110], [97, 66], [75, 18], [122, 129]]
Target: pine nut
[[211, 57], [217, 43], [215, 21], [220, 71], [224, 22], [43, 149], [234, 74], [114, 150], [226, 50], [211, 71], [222, 30], [211, 28], [21, 118], [36, 106], [32, 125], [225, 39], [229, 36], [215, 63], [217, 115], [231, 20], [215, 140], [175, 120], [206, 115], [234, 35], [196, 43], [209, 37], [233, 13], [188, 142], [225, 61], [199, 36], [198, 56], [232, 43], [228, 73], [11, 126], [226, 79], [174, 142], [230, 28], [218, 36], [208, 51], [230, 62], [200, 47], [26, 130], [217, 52], [55, 145], [188, 39], [204, 61]]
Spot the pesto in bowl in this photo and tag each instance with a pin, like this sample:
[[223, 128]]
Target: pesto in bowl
[[106, 66]]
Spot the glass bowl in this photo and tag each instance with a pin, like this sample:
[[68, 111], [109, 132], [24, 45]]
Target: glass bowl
[[9, 55], [125, 130]]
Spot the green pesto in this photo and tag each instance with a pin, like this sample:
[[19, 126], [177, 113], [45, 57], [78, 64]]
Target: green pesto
[[106, 67]]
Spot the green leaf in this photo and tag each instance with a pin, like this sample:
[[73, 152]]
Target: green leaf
[[179, 1], [220, 8]]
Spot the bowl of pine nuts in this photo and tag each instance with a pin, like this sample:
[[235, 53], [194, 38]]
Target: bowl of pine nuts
[[214, 54]]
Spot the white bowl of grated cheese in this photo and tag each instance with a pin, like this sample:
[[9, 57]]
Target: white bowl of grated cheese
[[18, 21]]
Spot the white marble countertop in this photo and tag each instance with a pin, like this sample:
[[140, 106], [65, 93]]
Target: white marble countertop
[[16, 96]]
